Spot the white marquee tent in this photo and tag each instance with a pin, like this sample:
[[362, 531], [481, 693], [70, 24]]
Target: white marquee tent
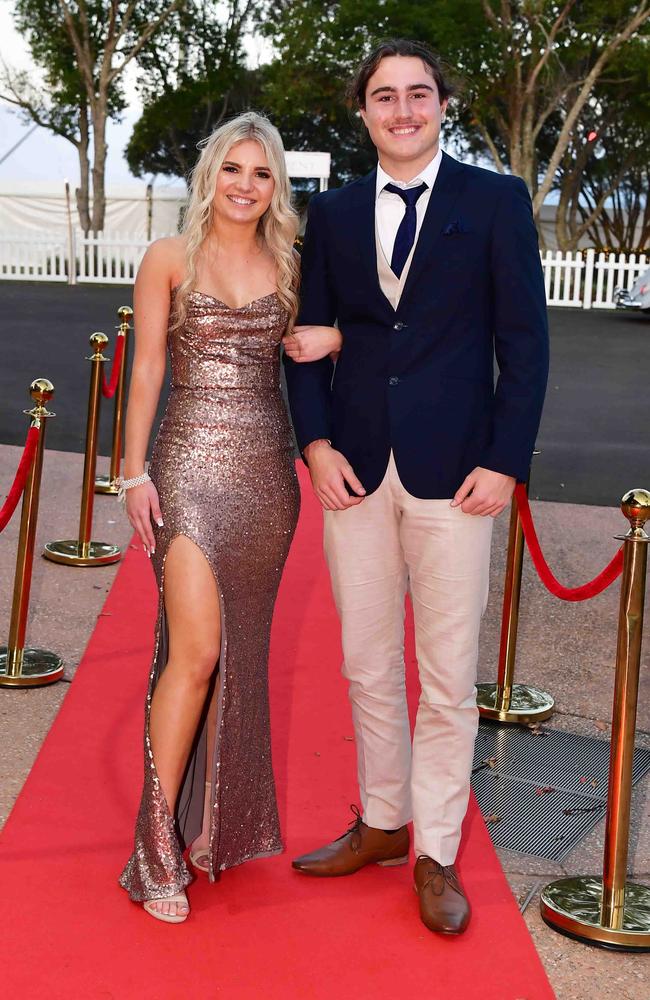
[[37, 208]]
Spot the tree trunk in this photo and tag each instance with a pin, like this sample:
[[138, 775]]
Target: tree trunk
[[82, 192], [562, 237], [100, 149]]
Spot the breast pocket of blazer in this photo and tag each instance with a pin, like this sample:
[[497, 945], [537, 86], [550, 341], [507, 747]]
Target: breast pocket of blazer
[[459, 250]]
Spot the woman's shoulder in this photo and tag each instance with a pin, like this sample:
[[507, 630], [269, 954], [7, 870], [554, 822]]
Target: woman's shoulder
[[164, 260], [167, 248]]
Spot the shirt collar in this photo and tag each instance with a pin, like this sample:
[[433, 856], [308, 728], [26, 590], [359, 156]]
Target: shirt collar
[[428, 175]]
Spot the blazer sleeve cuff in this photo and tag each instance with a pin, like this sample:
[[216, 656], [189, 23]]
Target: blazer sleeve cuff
[[518, 468], [314, 432]]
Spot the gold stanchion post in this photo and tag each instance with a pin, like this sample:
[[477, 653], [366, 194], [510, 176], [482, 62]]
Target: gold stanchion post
[[83, 551], [20, 667], [506, 701], [108, 484], [610, 911]]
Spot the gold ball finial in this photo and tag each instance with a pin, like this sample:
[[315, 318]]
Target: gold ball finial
[[41, 390], [636, 507], [124, 312], [98, 341]]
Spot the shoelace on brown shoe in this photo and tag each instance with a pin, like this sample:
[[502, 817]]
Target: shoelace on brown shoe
[[354, 828], [439, 876]]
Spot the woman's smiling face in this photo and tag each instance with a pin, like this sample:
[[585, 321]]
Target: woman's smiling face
[[245, 184]]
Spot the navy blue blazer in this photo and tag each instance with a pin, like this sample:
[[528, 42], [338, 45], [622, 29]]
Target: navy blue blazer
[[420, 379]]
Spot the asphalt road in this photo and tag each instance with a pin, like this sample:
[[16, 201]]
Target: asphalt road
[[593, 437]]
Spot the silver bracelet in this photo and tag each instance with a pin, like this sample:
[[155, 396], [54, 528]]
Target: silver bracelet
[[128, 484]]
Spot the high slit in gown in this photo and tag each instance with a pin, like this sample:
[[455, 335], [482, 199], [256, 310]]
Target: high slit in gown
[[223, 466]]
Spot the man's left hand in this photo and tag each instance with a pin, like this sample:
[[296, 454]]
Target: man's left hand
[[484, 492]]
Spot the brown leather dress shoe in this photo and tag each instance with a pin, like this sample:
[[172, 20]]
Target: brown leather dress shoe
[[361, 845], [444, 907]]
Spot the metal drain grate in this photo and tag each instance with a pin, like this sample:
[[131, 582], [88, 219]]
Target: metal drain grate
[[535, 822]]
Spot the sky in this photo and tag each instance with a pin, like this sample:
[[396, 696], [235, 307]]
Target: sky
[[43, 156]]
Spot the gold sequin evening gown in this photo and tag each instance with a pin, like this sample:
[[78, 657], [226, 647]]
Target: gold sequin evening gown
[[223, 466]]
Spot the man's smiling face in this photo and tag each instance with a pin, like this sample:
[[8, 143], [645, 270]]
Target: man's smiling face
[[403, 113]]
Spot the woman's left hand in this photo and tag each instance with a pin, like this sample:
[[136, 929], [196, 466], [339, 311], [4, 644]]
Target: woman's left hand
[[311, 343]]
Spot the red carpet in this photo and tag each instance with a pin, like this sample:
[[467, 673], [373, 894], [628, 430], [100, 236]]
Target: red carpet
[[263, 932]]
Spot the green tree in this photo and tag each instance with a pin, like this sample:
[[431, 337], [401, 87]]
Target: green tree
[[603, 177], [193, 75], [82, 49], [539, 71], [318, 45], [531, 71]]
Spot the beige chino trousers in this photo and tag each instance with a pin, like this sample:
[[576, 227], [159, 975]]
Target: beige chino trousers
[[375, 551]]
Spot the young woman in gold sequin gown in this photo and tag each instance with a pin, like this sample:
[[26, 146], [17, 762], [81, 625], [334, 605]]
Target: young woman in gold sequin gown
[[219, 513]]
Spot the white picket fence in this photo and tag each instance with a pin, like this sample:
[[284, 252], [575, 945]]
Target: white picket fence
[[31, 259], [586, 280], [581, 279], [107, 259]]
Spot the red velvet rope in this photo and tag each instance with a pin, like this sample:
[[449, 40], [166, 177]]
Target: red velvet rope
[[587, 590], [108, 388], [18, 485]]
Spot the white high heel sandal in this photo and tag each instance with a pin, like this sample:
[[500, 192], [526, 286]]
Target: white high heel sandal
[[168, 918], [200, 856]]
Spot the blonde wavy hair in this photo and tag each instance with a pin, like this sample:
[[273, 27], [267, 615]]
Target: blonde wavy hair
[[278, 226]]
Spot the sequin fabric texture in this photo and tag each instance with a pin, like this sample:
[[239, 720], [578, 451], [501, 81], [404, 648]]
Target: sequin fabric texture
[[223, 466]]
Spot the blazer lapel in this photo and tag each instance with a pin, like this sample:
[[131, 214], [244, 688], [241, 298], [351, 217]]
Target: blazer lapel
[[363, 221], [443, 198]]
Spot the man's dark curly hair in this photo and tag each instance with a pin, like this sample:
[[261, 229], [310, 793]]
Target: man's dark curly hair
[[398, 47]]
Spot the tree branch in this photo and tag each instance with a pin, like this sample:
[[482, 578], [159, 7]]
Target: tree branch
[[553, 105], [563, 139], [114, 32], [598, 207], [82, 53], [487, 139], [150, 30], [36, 115], [550, 38], [489, 14]]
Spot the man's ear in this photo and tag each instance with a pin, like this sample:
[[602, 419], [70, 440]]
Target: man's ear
[[443, 109], [362, 112]]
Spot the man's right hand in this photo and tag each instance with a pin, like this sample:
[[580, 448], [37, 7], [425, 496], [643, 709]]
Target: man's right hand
[[330, 471]]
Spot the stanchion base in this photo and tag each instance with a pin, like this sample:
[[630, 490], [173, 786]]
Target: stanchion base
[[527, 704], [38, 666], [104, 484], [74, 553], [572, 907]]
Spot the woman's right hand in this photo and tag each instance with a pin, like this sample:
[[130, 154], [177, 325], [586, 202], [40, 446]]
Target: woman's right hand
[[143, 507], [311, 343]]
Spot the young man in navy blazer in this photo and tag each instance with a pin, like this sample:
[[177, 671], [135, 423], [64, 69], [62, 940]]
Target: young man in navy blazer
[[430, 268]]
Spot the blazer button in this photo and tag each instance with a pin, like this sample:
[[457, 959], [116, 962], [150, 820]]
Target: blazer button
[[393, 380], [399, 325]]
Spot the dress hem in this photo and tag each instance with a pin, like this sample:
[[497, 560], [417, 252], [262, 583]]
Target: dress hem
[[251, 857]]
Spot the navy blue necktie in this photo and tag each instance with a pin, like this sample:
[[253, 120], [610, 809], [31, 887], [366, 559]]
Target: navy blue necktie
[[406, 232]]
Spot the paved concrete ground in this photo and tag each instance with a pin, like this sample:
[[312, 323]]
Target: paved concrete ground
[[593, 436], [593, 440]]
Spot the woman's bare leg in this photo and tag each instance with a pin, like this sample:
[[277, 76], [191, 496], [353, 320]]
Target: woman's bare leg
[[194, 623]]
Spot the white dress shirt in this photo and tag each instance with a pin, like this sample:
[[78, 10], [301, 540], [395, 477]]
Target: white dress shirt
[[390, 208]]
